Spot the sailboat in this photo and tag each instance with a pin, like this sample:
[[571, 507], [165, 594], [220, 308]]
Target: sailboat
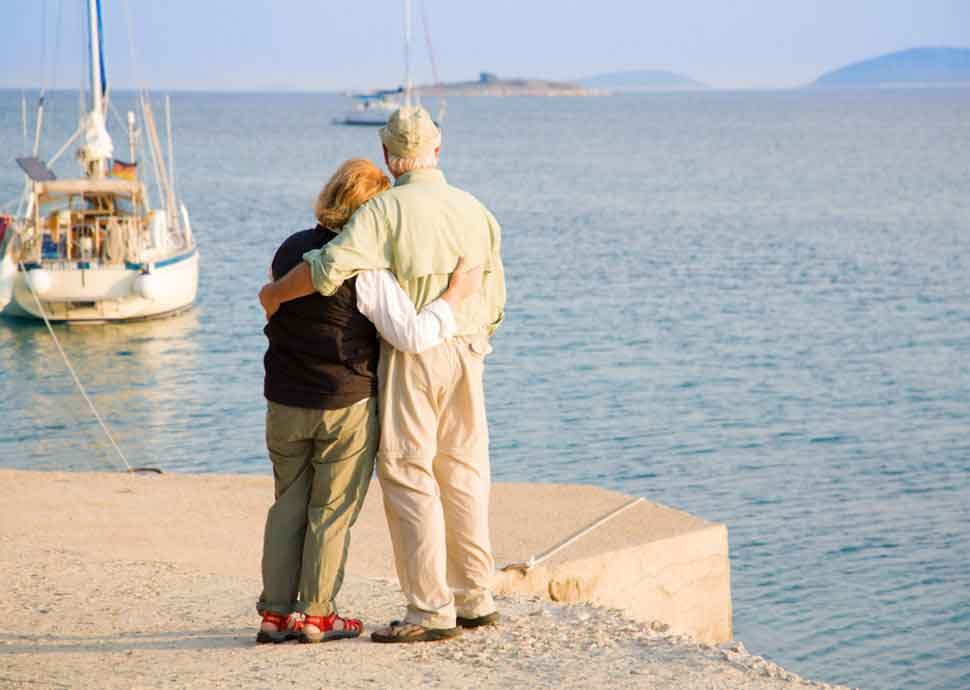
[[374, 108], [93, 248]]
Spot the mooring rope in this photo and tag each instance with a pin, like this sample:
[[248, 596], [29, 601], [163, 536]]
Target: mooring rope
[[70, 368], [533, 561]]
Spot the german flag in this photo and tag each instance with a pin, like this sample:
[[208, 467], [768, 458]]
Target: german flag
[[125, 171]]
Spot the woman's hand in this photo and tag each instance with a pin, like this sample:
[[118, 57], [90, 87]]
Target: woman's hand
[[464, 282], [268, 299], [297, 283]]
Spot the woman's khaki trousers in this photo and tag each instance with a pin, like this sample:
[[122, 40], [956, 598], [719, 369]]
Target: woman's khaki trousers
[[322, 465]]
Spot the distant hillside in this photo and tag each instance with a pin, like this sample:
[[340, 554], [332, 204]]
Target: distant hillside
[[914, 66], [641, 80]]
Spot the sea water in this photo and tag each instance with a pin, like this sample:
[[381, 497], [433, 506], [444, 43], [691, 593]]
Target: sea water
[[751, 306]]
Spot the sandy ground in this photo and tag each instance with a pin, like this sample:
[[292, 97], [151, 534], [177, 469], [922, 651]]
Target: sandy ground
[[74, 620]]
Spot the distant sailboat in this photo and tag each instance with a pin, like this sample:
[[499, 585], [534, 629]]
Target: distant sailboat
[[93, 248], [375, 107], [372, 109]]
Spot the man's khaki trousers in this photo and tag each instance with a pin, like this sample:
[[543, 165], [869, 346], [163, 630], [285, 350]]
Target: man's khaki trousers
[[322, 465], [434, 472]]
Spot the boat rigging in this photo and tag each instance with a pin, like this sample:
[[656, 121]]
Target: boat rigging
[[373, 108]]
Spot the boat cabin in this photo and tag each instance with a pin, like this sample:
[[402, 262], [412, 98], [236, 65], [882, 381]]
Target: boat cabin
[[96, 221]]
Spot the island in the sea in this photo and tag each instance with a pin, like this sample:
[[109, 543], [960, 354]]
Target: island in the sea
[[916, 66], [489, 84]]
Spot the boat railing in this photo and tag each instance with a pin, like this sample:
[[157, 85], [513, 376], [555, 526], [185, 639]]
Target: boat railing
[[96, 239]]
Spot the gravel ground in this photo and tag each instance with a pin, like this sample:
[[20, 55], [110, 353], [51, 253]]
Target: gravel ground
[[155, 624]]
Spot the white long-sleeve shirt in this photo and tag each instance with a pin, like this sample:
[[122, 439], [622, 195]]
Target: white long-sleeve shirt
[[382, 300]]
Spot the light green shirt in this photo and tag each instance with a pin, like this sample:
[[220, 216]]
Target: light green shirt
[[418, 229]]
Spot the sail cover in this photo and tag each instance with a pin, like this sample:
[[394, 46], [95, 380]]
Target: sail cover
[[104, 78]]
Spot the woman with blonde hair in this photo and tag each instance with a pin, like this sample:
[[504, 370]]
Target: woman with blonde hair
[[321, 421]]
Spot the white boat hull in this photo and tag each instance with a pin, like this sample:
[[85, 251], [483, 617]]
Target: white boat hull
[[101, 293], [365, 119]]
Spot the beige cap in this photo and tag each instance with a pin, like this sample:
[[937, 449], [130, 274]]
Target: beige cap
[[410, 133]]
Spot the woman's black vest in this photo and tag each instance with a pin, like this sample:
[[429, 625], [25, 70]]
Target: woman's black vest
[[322, 351]]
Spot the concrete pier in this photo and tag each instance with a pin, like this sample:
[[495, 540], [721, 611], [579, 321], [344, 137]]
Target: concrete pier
[[652, 562]]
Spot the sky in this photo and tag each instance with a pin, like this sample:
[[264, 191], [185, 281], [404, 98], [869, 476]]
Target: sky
[[314, 45]]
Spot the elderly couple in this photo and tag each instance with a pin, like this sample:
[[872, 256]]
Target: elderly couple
[[394, 262]]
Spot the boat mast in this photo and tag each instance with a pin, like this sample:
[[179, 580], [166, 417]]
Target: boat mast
[[96, 157], [23, 117], [94, 31], [407, 52], [132, 137]]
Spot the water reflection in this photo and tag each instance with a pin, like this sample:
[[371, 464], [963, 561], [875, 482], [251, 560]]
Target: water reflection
[[128, 371]]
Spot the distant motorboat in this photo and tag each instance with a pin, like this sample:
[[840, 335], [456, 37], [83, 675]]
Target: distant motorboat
[[93, 248]]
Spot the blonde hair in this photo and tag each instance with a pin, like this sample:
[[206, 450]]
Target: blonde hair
[[355, 181]]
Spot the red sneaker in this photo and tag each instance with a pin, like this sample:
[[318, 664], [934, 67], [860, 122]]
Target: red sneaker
[[332, 627], [275, 628]]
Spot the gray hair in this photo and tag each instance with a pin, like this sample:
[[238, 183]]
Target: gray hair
[[398, 165]]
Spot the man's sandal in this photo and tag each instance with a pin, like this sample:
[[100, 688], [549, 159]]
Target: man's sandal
[[477, 622], [400, 632]]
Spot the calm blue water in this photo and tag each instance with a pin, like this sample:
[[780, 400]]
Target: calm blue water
[[752, 306]]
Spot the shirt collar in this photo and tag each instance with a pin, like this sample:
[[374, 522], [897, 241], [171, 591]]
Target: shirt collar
[[421, 175]]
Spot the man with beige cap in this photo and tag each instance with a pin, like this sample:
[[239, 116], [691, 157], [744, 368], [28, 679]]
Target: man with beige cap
[[433, 458]]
